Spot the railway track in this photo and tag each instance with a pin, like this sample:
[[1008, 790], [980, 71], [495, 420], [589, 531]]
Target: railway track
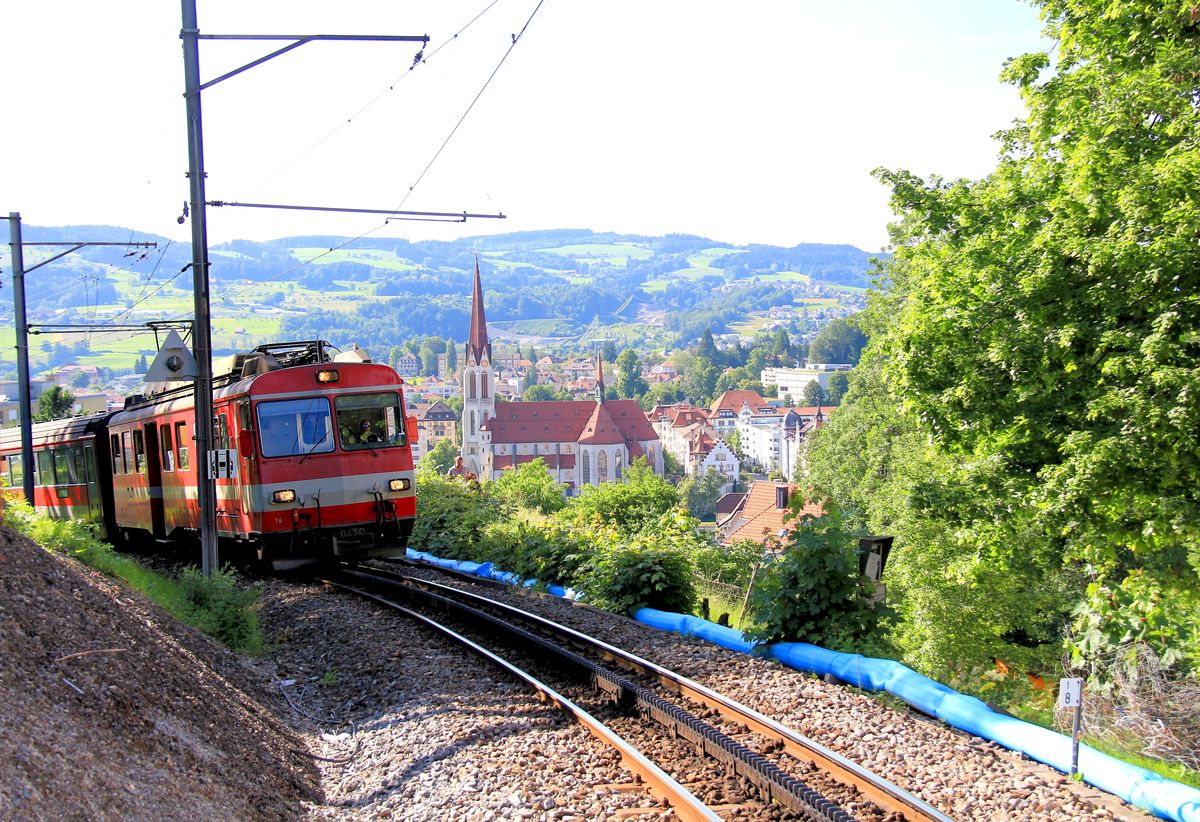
[[668, 699]]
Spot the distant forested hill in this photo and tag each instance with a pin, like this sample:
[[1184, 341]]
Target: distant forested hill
[[379, 291]]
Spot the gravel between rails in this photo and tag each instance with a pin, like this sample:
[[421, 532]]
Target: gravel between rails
[[963, 776], [411, 728]]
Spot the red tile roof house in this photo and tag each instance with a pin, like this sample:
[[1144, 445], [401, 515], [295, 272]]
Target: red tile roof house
[[582, 442], [761, 516]]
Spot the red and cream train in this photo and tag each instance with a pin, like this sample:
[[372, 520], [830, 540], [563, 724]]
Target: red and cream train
[[320, 451]]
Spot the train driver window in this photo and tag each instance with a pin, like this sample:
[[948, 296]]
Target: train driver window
[[167, 453], [181, 441], [126, 452], [114, 444], [289, 428], [370, 421]]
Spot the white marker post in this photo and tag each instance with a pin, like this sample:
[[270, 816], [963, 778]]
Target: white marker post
[[1070, 695]]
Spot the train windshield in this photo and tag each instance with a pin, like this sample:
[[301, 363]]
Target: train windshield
[[290, 428], [370, 421]]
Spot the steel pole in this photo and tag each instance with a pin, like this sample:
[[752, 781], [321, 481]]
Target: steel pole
[[26, 412], [202, 332]]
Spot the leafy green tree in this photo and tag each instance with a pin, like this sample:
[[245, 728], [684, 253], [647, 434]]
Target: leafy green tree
[[781, 347], [640, 499], [530, 485], [440, 458], [451, 357], [839, 341], [1038, 351], [812, 394], [661, 393], [737, 379], [56, 403], [700, 494], [537, 392], [630, 383], [140, 366], [708, 347], [814, 592], [839, 382], [700, 381]]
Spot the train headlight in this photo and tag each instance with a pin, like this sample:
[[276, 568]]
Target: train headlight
[[399, 485], [327, 375], [286, 495]]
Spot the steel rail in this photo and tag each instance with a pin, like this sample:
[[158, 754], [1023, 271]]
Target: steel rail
[[660, 784], [884, 793], [768, 780]]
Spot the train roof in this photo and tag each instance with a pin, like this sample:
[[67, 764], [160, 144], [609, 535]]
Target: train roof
[[54, 431]]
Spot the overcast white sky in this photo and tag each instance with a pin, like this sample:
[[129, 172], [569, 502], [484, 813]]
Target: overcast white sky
[[752, 121]]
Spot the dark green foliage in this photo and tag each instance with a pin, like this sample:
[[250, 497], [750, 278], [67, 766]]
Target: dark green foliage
[[54, 404], [838, 341], [641, 499], [625, 579], [222, 609], [814, 592], [451, 518], [700, 494], [730, 564], [530, 485]]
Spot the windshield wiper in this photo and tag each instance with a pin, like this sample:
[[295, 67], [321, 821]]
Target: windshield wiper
[[314, 448]]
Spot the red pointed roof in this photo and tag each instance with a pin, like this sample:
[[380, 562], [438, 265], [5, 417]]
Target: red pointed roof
[[600, 429], [566, 421], [477, 338]]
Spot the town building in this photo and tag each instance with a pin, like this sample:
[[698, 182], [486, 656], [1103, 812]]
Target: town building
[[763, 515], [582, 442], [685, 433], [435, 422], [408, 365], [723, 413], [791, 381]]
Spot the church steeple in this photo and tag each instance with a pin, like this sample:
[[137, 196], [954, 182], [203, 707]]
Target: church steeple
[[599, 378], [477, 339]]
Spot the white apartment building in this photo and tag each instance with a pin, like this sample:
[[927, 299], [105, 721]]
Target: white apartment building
[[791, 381]]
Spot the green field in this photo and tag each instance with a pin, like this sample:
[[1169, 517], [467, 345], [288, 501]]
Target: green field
[[368, 256], [613, 253], [704, 258], [751, 325]]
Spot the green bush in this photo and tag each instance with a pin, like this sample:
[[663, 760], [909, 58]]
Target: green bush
[[814, 592], [625, 579], [219, 608]]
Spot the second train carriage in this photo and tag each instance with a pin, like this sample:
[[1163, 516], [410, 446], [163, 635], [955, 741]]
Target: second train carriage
[[319, 449]]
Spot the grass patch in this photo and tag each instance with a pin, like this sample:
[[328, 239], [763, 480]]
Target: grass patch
[[1169, 770], [216, 605]]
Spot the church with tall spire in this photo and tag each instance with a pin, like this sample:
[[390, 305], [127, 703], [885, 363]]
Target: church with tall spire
[[582, 442]]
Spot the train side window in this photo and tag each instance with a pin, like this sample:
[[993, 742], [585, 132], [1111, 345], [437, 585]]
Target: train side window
[[220, 431], [181, 441], [62, 466], [167, 452], [139, 452], [45, 466], [76, 466], [16, 472], [126, 452], [114, 444]]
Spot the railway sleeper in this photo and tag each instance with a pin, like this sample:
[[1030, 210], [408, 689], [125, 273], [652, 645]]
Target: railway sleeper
[[773, 783]]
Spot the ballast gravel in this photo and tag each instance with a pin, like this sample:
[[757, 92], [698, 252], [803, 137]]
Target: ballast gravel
[[115, 711], [963, 776]]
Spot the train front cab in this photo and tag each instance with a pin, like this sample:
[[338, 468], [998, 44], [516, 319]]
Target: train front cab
[[314, 485]]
